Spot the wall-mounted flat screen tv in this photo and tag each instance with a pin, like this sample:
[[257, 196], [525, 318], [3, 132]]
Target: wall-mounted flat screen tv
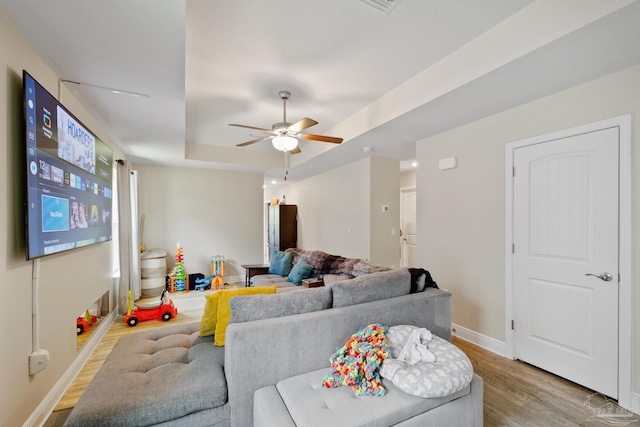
[[69, 177]]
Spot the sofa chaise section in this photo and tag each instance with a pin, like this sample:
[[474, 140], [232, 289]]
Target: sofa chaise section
[[294, 345], [168, 375], [302, 401]]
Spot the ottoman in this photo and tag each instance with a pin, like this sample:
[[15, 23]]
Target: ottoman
[[167, 376]]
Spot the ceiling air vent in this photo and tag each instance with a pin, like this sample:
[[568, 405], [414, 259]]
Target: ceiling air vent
[[383, 5]]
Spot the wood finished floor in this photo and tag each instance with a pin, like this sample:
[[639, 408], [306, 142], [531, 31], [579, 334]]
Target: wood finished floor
[[518, 394], [515, 394]]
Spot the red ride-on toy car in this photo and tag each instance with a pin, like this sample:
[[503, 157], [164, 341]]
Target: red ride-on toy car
[[82, 324], [164, 310]]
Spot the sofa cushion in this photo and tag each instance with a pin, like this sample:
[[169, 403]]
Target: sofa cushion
[[309, 403], [302, 270], [372, 287], [330, 279], [145, 370], [224, 311], [281, 263], [257, 307], [269, 280]]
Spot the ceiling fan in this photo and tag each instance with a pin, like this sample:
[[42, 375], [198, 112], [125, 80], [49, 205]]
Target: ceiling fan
[[284, 136]]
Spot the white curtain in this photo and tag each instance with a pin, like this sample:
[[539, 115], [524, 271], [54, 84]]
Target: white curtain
[[128, 234]]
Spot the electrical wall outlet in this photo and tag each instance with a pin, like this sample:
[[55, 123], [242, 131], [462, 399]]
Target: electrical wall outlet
[[38, 361]]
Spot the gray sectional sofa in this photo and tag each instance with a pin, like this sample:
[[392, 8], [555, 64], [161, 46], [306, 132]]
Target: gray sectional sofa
[[173, 377], [331, 268]]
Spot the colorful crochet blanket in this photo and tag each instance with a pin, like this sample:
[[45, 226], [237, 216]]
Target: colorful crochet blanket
[[356, 363]]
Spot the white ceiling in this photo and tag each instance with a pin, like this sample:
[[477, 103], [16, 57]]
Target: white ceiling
[[378, 80]]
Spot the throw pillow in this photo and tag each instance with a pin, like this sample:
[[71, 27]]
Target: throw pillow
[[281, 263], [224, 311], [302, 270], [450, 372], [210, 315]]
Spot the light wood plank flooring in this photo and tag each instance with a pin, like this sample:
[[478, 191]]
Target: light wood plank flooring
[[515, 394]]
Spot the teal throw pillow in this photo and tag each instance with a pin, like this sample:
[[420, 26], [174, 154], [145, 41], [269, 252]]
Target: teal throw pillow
[[302, 270], [281, 263]]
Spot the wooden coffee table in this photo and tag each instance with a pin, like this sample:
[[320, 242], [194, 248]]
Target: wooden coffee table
[[251, 270]]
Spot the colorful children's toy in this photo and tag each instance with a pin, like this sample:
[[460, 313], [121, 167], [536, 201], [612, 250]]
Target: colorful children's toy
[[84, 322], [203, 283], [217, 272], [180, 282], [164, 310]]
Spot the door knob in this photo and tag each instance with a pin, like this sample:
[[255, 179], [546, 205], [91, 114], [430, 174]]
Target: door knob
[[607, 277]]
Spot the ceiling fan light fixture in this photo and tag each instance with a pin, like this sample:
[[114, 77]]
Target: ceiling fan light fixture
[[285, 142]]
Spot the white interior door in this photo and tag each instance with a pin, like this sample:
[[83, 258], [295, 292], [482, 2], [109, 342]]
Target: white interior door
[[565, 195], [409, 241]]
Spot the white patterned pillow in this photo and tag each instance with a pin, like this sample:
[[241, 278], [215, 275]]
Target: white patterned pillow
[[451, 372]]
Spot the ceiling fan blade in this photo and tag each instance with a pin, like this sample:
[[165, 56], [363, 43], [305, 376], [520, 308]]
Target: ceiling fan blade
[[253, 141], [302, 124], [321, 138], [296, 150], [250, 127]]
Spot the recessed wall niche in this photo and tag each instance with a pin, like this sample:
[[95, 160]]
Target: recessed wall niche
[[89, 321]]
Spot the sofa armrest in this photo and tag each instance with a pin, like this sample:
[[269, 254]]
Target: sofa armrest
[[263, 352]]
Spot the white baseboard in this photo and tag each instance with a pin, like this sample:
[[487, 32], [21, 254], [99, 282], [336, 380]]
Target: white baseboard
[[234, 279], [486, 342], [46, 406], [635, 403], [500, 348]]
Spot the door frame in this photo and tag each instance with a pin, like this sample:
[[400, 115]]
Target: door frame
[[624, 242], [403, 190], [265, 231]]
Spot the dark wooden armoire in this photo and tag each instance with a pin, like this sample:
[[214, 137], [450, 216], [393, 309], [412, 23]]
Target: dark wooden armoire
[[283, 228]]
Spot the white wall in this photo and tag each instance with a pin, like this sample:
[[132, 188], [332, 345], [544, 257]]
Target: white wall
[[385, 226], [69, 282], [339, 210], [461, 211], [329, 204], [209, 212], [408, 179]]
